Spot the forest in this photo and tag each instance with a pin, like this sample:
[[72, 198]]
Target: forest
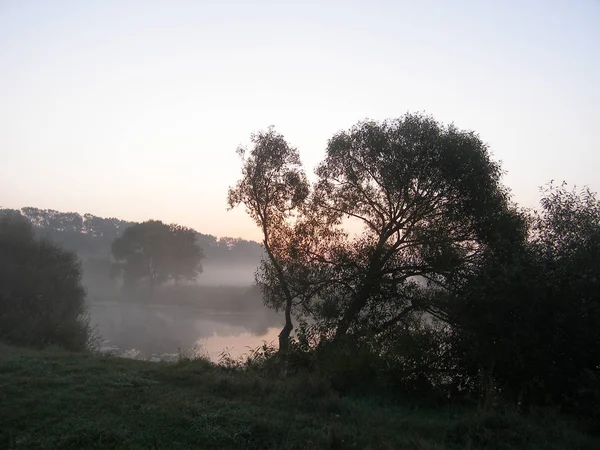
[[403, 268]]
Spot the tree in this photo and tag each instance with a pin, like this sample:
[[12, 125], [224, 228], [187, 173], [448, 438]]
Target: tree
[[531, 321], [154, 253], [428, 200], [273, 187], [107, 228], [42, 300], [185, 254]]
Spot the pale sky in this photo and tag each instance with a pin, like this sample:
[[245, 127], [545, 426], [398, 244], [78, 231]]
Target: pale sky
[[134, 109]]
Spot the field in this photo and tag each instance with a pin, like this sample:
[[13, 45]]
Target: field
[[53, 399]]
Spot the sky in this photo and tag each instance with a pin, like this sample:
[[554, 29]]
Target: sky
[[134, 109]]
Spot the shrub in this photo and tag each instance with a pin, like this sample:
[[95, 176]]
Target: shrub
[[348, 366]]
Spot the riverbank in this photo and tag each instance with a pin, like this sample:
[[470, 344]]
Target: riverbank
[[56, 399]]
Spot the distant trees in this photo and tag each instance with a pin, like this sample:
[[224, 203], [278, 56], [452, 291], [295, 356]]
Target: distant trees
[[91, 237], [88, 235], [228, 250], [153, 253], [42, 300]]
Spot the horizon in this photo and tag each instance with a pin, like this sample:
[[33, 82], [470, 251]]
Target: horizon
[[82, 214], [135, 109]]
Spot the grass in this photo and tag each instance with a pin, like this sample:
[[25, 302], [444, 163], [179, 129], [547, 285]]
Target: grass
[[53, 399]]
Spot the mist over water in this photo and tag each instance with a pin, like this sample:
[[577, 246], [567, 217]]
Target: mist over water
[[221, 313], [221, 310], [227, 275]]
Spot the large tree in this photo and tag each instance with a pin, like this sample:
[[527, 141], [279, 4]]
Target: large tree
[[273, 187], [154, 253], [427, 199]]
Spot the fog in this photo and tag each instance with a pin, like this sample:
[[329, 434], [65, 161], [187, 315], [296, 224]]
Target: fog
[[227, 275], [221, 312]]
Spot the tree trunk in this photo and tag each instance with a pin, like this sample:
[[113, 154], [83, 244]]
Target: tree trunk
[[284, 338], [361, 297], [284, 335], [351, 313]]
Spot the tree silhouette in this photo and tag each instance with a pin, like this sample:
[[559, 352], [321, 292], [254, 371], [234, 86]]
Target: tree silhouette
[[272, 188], [154, 253], [428, 200], [531, 321], [42, 300]]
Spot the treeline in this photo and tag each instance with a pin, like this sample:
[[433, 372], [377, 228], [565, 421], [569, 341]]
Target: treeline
[[91, 237], [449, 289]]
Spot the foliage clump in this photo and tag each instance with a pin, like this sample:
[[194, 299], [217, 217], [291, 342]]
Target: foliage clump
[[42, 300]]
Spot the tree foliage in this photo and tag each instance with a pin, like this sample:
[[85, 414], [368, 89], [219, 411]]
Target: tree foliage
[[153, 253], [272, 187], [42, 300], [428, 200], [531, 322]]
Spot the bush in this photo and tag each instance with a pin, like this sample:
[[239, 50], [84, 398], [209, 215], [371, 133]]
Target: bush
[[528, 319], [42, 301], [348, 366]]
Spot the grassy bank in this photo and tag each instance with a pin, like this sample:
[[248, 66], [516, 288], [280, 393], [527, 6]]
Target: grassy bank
[[57, 400]]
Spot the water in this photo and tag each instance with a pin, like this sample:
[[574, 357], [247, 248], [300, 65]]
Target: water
[[162, 332]]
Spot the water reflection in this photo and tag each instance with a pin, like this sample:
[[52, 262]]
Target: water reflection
[[236, 345], [149, 331]]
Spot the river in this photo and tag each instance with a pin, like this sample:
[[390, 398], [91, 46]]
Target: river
[[163, 332]]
